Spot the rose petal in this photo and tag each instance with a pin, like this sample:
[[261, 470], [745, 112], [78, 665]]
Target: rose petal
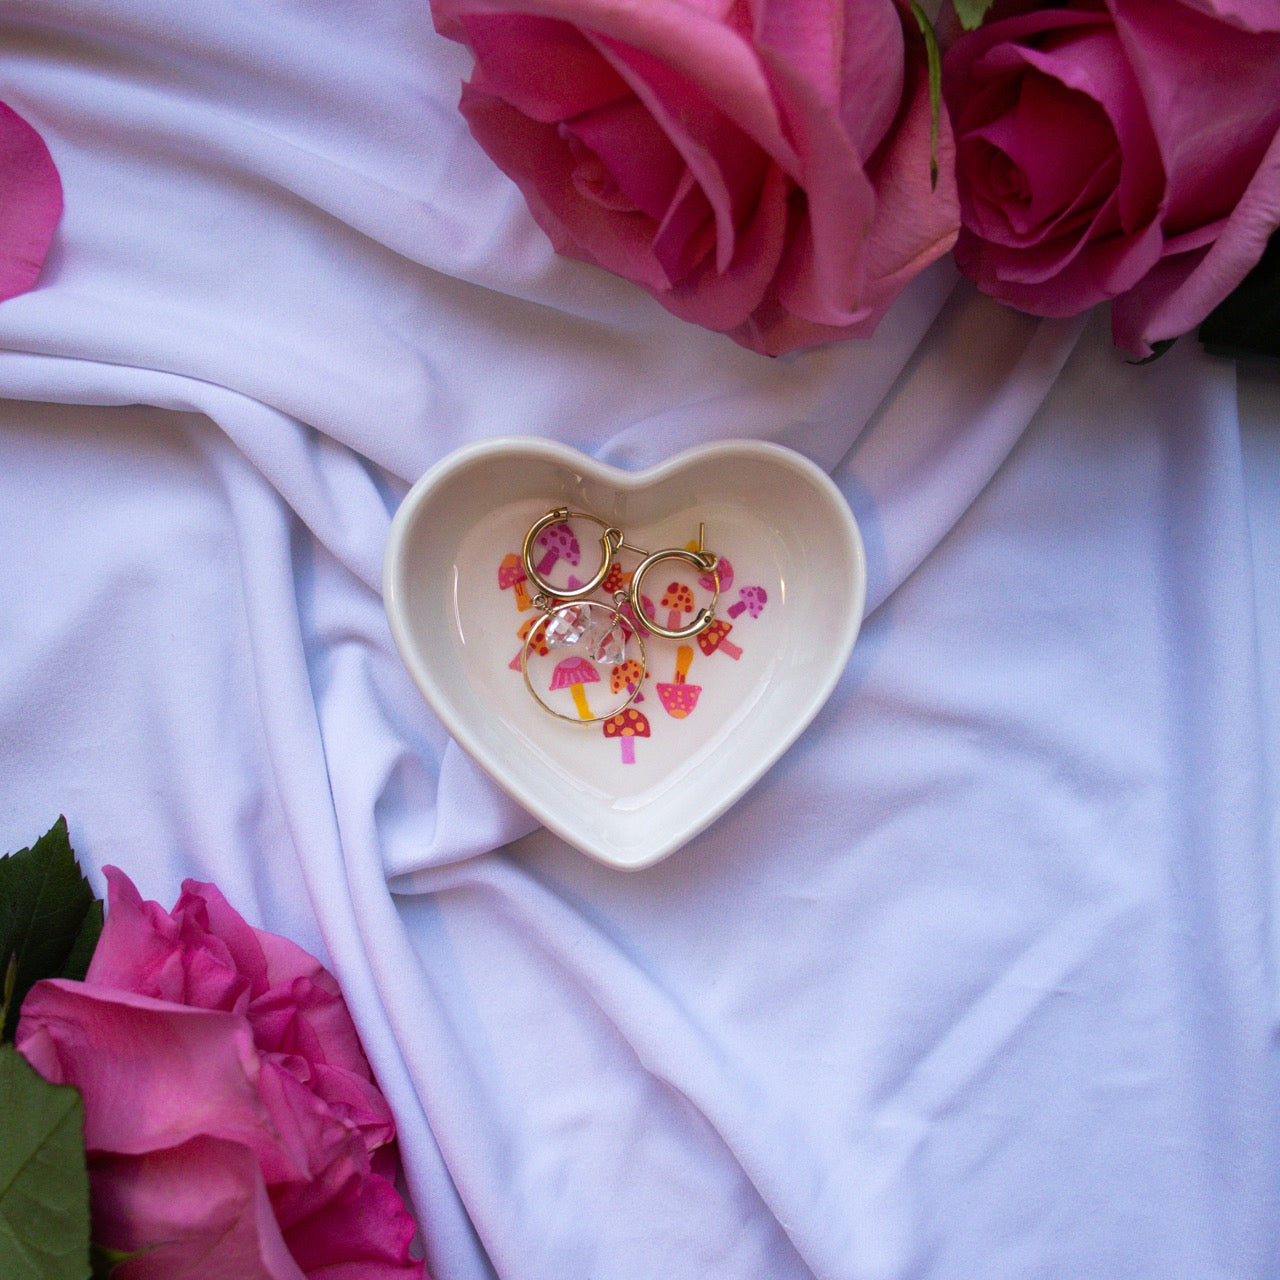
[[727, 167], [849, 51], [638, 156], [697, 47], [1185, 287], [537, 160], [823, 272], [687, 235], [1050, 179], [198, 1211], [153, 1074], [362, 1234], [1251, 15], [545, 69], [30, 203], [915, 221], [315, 1155], [1214, 111], [723, 300], [309, 1016]]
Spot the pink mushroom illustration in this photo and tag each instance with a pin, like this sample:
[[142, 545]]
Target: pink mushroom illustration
[[628, 614], [539, 645], [511, 576], [724, 572], [752, 599], [715, 639], [627, 675], [678, 601], [627, 726], [572, 674], [679, 698], [558, 542]]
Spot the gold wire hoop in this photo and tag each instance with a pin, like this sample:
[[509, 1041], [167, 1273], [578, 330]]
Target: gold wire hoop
[[704, 562], [541, 625], [610, 541]]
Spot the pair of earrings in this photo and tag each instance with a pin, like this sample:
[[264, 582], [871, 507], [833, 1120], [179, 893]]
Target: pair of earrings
[[600, 633]]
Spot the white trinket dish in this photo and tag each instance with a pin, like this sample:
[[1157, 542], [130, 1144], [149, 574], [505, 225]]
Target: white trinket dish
[[793, 594]]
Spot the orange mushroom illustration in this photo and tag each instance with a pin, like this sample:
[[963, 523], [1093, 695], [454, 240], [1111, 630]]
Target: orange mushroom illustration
[[511, 576], [678, 601], [539, 645], [715, 639], [572, 674], [680, 698], [627, 726], [627, 675]]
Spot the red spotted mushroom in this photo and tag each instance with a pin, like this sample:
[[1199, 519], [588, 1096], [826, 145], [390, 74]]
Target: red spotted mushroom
[[627, 675], [615, 579], [511, 577], [558, 542], [539, 645], [627, 726], [679, 698], [678, 601], [572, 674], [715, 639], [752, 599]]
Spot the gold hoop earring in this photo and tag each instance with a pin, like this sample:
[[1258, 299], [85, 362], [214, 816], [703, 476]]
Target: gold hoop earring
[[556, 548], [581, 635], [679, 598], [591, 635]]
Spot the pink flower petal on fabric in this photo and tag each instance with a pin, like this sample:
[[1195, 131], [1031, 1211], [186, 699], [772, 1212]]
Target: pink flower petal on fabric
[[30, 203]]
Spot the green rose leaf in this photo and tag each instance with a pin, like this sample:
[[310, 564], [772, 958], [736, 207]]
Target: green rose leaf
[[44, 1187], [972, 12], [1247, 321], [49, 918]]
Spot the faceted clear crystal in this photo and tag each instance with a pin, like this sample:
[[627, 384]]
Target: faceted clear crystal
[[597, 628], [566, 627], [608, 644]]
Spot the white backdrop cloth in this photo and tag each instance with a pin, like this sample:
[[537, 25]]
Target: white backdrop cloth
[[978, 981]]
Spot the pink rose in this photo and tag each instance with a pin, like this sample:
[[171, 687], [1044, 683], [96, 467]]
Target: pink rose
[[761, 169], [232, 1124], [30, 203], [1126, 150]]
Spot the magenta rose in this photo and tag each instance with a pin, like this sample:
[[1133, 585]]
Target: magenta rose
[[232, 1124], [1125, 150], [762, 169], [30, 203]]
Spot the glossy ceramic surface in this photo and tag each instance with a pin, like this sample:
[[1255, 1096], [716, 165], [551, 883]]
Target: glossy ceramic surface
[[713, 722]]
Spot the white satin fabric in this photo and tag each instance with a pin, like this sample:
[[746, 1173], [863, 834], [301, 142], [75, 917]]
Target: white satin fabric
[[979, 980]]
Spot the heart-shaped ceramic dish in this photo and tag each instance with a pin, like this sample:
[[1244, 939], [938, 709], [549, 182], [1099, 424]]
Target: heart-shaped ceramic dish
[[795, 588]]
